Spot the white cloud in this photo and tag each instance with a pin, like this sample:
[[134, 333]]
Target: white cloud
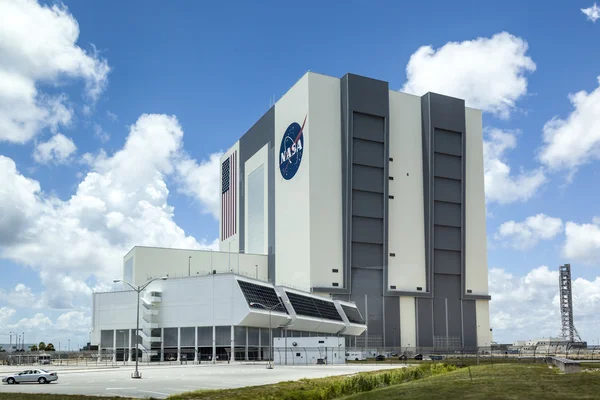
[[74, 320], [101, 133], [73, 325], [38, 46], [500, 185], [20, 297], [583, 242], [121, 202], [592, 13], [574, 141], [57, 150], [527, 307], [6, 313], [525, 235], [19, 201], [489, 73], [111, 116], [39, 322], [201, 181]]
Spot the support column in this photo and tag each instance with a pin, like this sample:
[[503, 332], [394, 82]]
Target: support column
[[178, 343], [114, 345], [232, 350], [129, 347], [246, 344], [214, 344], [162, 344], [195, 345], [259, 344]]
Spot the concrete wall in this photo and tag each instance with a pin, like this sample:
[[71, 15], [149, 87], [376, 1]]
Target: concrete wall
[[408, 326], [325, 183], [256, 196], [152, 262], [476, 265], [406, 270], [292, 197], [482, 311]]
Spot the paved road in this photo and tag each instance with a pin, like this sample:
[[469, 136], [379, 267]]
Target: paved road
[[160, 382]]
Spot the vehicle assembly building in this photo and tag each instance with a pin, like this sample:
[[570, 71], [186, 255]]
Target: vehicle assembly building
[[349, 209]]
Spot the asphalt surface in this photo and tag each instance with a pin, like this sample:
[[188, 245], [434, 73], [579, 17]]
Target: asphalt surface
[[162, 381]]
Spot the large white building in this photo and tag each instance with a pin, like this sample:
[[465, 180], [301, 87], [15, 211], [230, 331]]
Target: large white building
[[369, 195], [351, 209]]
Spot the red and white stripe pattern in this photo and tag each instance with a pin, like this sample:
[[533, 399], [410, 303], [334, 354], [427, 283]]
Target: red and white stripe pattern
[[228, 196]]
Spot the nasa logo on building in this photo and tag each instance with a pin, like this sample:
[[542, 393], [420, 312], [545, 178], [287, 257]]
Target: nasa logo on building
[[291, 149]]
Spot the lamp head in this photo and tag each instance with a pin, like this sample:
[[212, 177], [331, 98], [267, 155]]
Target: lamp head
[[164, 278], [116, 281]]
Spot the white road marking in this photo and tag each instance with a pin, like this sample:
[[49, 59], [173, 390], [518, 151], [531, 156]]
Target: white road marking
[[150, 391], [127, 388]]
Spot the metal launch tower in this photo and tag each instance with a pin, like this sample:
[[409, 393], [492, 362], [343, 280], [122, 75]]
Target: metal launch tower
[[566, 304]]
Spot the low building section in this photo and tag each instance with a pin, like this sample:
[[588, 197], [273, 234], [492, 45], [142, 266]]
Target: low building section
[[214, 317]]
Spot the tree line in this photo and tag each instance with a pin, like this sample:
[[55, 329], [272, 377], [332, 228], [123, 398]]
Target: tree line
[[42, 347]]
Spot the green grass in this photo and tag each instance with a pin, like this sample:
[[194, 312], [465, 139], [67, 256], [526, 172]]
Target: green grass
[[320, 389], [500, 382], [29, 396]]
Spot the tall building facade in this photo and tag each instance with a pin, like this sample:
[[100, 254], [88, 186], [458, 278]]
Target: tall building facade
[[368, 195]]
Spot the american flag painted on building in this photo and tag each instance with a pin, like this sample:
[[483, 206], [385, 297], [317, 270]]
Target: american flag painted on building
[[228, 196]]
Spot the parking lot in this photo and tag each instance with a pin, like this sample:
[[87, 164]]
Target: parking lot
[[162, 381]]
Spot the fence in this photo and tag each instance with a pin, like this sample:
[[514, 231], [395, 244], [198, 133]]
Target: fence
[[304, 355]]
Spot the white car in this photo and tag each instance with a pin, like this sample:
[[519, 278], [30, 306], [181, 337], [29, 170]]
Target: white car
[[31, 376]]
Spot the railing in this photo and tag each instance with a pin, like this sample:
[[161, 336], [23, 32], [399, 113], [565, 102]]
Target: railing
[[309, 355]]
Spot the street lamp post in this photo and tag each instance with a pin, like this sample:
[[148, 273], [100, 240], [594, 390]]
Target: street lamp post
[[270, 365], [136, 374], [189, 266], [10, 340], [23, 342]]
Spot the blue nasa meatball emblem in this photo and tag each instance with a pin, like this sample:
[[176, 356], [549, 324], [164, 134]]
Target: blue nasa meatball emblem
[[290, 152]]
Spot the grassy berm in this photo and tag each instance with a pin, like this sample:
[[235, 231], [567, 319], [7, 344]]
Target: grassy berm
[[427, 381], [503, 381]]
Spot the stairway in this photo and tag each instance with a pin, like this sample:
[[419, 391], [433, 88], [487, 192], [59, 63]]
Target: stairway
[[150, 345]]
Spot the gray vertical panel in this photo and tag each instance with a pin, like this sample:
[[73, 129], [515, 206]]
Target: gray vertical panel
[[260, 134], [425, 322], [443, 122], [448, 166], [365, 115], [392, 319], [439, 316], [367, 204], [470, 324], [447, 238], [449, 190], [368, 281], [449, 214], [447, 262]]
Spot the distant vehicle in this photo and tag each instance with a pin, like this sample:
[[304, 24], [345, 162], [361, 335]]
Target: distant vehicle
[[403, 357], [419, 357], [436, 358], [355, 356], [31, 376], [44, 359], [380, 357]]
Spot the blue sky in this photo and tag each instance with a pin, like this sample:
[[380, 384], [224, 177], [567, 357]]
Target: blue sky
[[215, 68]]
